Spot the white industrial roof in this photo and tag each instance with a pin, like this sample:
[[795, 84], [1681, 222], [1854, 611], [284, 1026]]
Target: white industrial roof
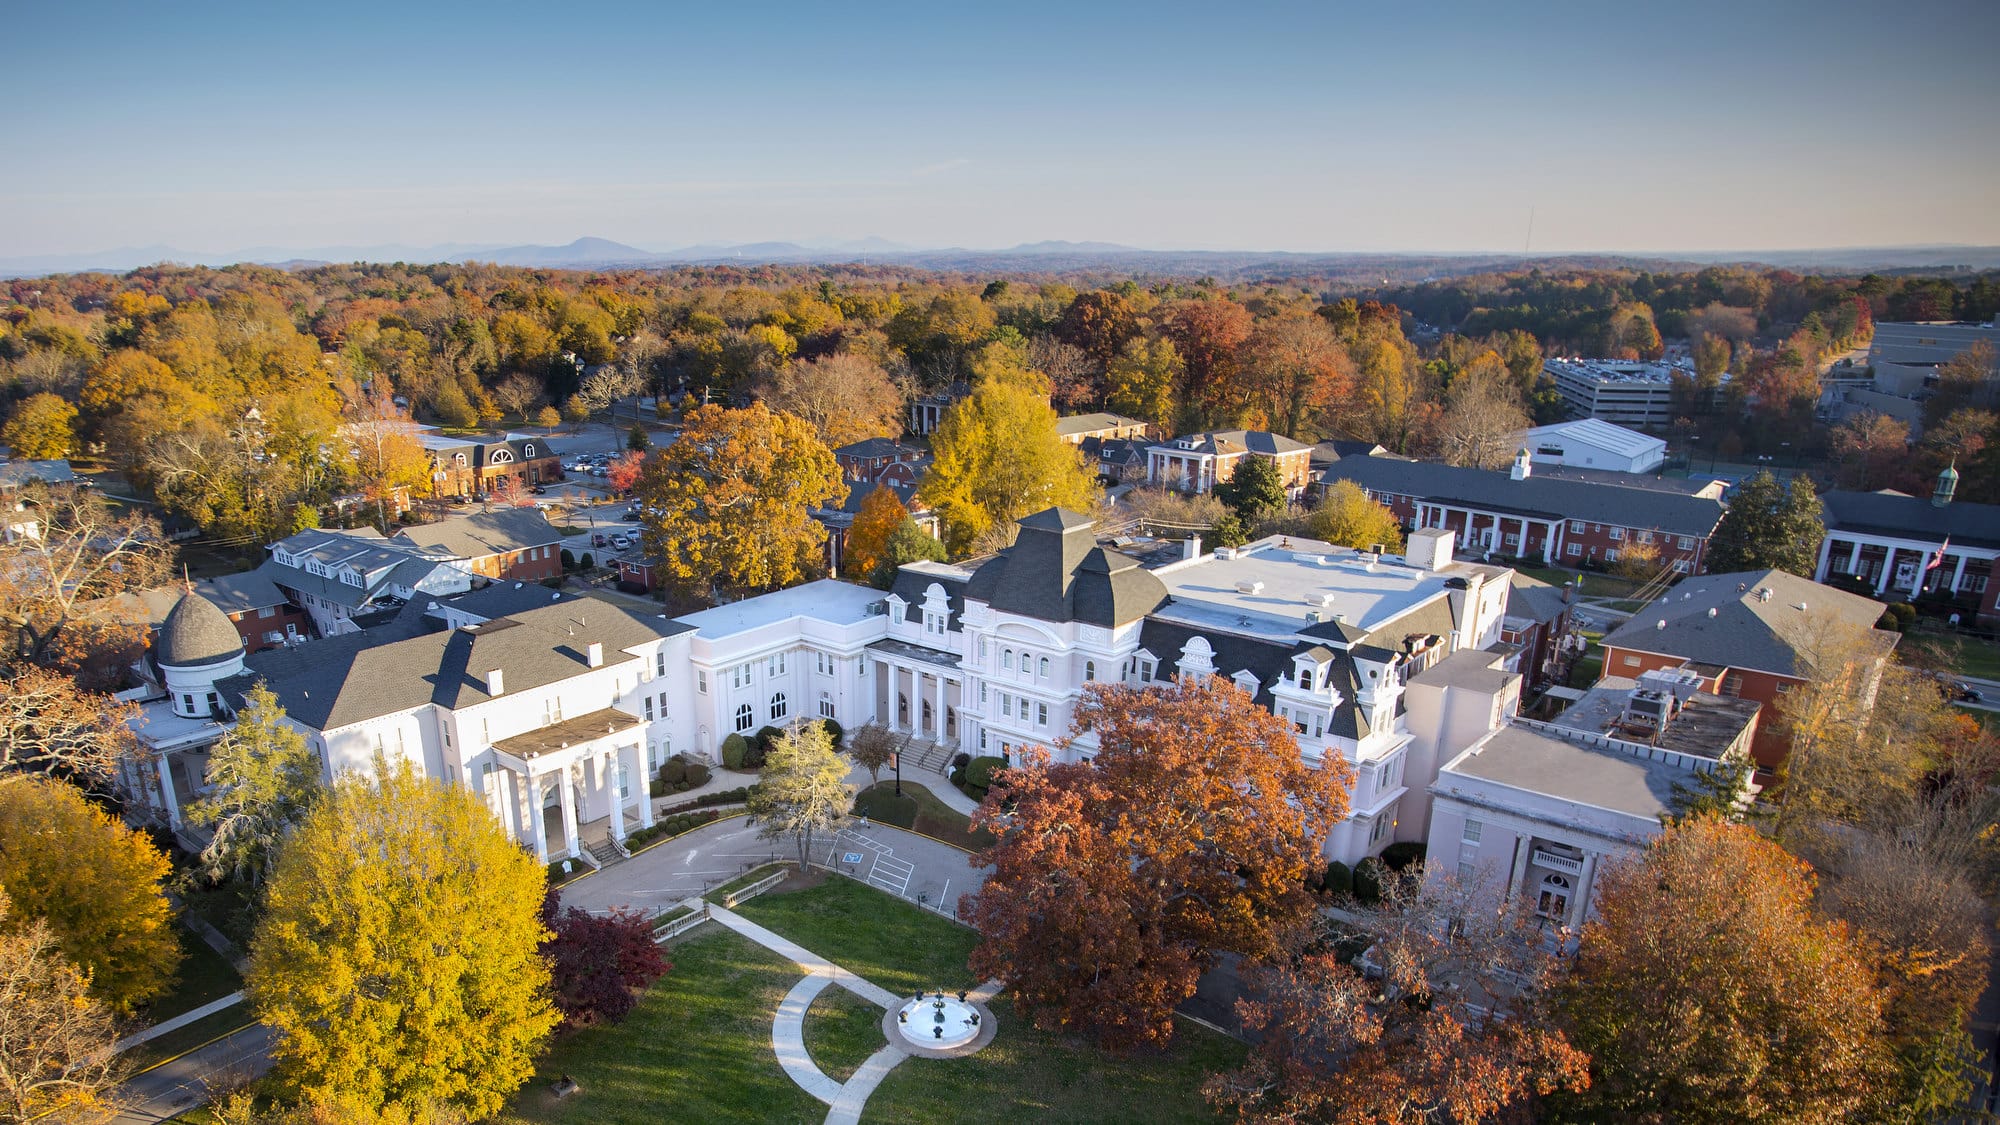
[[1602, 434]]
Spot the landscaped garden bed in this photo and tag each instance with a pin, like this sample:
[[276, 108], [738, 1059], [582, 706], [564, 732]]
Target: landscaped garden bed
[[919, 810]]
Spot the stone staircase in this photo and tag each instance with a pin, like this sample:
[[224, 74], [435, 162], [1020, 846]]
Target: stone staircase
[[605, 852], [927, 756]]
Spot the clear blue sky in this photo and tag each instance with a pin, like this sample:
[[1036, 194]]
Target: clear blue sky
[[1308, 126]]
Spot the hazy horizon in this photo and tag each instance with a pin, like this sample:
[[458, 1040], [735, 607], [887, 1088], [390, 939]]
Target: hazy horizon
[[1706, 129]]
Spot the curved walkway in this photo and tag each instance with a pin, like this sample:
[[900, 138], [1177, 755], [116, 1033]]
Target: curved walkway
[[844, 1100]]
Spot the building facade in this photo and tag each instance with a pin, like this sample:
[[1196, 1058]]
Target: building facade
[[1592, 443], [1907, 548], [1623, 392], [1198, 462]]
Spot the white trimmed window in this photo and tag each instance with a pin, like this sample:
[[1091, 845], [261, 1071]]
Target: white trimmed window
[[745, 717], [779, 708]]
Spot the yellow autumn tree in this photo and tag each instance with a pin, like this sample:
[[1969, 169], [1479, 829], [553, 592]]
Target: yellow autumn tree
[[868, 539], [398, 959], [997, 459], [41, 428], [1348, 518], [731, 500], [95, 882]]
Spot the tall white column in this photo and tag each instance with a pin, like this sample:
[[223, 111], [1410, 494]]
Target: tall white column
[[937, 715], [614, 759], [1854, 558], [1584, 881], [645, 791], [167, 791], [1825, 548], [568, 795], [1888, 570], [1524, 846], [1917, 583], [535, 818], [1957, 574]]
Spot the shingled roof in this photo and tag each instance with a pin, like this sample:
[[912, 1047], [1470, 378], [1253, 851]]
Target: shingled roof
[[1767, 621], [1055, 571], [482, 533], [1911, 517], [1537, 497]]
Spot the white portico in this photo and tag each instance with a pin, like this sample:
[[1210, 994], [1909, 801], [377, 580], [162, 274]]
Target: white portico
[[586, 766]]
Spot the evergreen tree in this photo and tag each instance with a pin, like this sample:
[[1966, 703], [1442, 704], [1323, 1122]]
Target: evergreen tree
[[1255, 491], [1768, 527], [908, 543], [636, 440]]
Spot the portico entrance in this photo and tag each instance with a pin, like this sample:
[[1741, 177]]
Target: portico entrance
[[553, 782]]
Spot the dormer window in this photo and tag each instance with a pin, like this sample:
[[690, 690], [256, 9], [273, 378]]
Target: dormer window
[[528, 450]]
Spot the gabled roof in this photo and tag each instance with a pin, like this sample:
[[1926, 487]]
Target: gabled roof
[[1534, 599], [913, 579], [1538, 497], [355, 677], [16, 474], [1726, 620], [1328, 452], [870, 448], [1086, 423], [481, 533], [1910, 517], [1234, 441], [1599, 433]]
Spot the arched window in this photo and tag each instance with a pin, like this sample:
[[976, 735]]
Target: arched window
[[1042, 668], [1089, 670], [1007, 660], [528, 449], [778, 706], [745, 717], [501, 457], [1554, 899]]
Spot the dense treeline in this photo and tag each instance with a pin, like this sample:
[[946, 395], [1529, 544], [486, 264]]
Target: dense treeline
[[248, 399]]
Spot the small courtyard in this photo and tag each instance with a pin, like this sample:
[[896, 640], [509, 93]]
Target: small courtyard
[[700, 1045]]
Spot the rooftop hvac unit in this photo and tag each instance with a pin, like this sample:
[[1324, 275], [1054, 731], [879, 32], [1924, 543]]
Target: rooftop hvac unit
[[1249, 587], [1649, 710], [1320, 600]]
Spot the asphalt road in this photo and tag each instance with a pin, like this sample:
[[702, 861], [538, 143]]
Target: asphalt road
[[191, 1080]]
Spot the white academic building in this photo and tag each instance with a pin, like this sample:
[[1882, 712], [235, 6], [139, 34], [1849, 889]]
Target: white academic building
[[556, 708]]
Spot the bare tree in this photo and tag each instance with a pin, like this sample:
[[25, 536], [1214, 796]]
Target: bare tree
[[1483, 418], [845, 398], [515, 394], [63, 548], [49, 725]]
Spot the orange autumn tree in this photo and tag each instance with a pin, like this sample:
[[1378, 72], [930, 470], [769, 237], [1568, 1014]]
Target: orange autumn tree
[[1706, 989], [1116, 882], [868, 539], [1449, 1029]]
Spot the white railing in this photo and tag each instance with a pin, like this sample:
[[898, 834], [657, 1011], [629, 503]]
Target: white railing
[[679, 926], [745, 894]]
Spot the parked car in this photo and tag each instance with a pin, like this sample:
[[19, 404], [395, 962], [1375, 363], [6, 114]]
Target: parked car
[[620, 541], [600, 540]]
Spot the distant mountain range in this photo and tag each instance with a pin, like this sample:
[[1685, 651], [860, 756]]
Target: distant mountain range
[[601, 253]]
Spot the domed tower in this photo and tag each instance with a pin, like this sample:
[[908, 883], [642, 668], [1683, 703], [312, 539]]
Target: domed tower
[[197, 646], [1947, 484]]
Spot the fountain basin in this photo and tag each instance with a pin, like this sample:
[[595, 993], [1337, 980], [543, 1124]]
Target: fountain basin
[[919, 1024]]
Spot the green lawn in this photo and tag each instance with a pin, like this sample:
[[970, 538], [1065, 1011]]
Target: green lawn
[[1030, 1075], [744, 880], [869, 933], [920, 810], [842, 1030], [1969, 656], [204, 975], [697, 1048]]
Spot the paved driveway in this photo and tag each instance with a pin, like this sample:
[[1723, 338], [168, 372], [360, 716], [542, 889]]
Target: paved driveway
[[192, 1079], [903, 863]]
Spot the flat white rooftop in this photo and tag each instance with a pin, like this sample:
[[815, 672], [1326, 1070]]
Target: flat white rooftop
[[1277, 589], [828, 600]]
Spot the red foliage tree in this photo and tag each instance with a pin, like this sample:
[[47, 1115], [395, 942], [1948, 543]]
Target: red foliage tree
[[598, 964], [1116, 881], [624, 472], [1208, 333], [1450, 1032], [509, 492]]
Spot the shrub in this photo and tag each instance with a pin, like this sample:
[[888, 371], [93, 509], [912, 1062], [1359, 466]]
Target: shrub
[[1400, 855], [674, 770], [958, 776], [766, 736], [568, 559], [586, 562], [1905, 615], [1338, 881], [698, 775], [658, 788], [960, 760], [735, 749], [1368, 881], [833, 731], [979, 772]]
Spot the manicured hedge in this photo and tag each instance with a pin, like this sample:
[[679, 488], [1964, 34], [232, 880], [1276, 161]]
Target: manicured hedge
[[735, 749], [979, 772], [1400, 855], [1338, 882], [671, 826], [833, 731], [1368, 881]]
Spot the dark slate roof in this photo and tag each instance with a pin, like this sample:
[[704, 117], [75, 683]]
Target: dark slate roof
[[1117, 451], [359, 676], [1328, 452], [1911, 517], [1055, 571], [1686, 486], [196, 633], [858, 492], [501, 599], [236, 593], [482, 533], [1084, 423], [16, 474], [910, 586], [874, 447], [1747, 631], [1534, 599], [1538, 497], [1266, 660]]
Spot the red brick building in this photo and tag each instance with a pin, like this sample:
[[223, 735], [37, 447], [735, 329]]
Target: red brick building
[[1750, 635], [1572, 520]]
